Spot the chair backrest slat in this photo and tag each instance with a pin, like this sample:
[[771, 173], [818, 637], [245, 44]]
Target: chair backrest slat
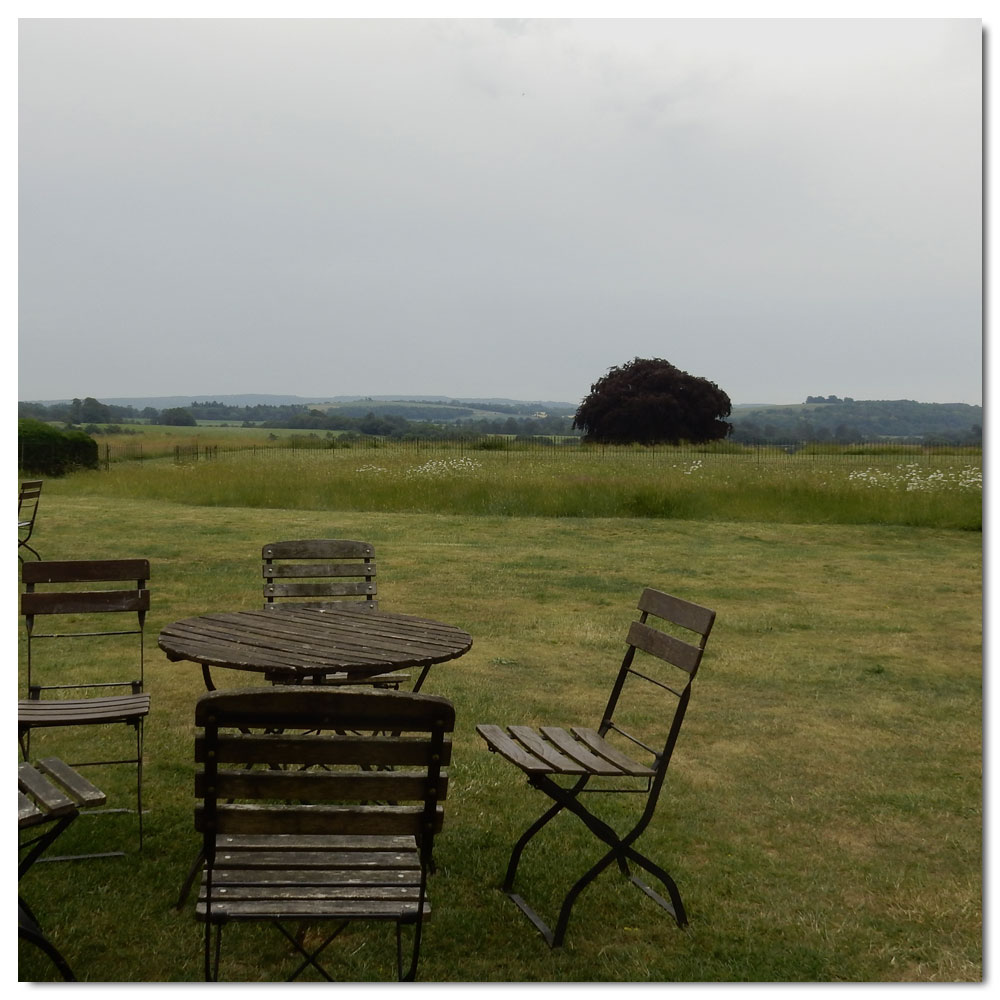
[[319, 548], [320, 820], [92, 602], [322, 786], [362, 589], [316, 708], [334, 748], [85, 571], [291, 571], [675, 609], [664, 646]]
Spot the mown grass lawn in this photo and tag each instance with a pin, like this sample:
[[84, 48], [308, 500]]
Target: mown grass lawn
[[822, 817]]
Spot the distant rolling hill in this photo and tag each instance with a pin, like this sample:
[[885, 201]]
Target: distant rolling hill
[[264, 399]]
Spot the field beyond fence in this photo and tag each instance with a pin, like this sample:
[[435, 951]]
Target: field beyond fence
[[905, 485]]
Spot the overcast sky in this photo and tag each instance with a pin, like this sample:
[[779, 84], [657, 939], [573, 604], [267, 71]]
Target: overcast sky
[[480, 208]]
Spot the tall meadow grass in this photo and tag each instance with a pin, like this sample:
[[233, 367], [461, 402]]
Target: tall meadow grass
[[939, 491]]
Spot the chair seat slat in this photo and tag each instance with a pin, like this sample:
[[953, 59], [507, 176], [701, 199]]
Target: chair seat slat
[[401, 893], [81, 711], [566, 742], [81, 790], [557, 762], [51, 800], [304, 909], [599, 745], [352, 866], [28, 814], [501, 743], [324, 841]]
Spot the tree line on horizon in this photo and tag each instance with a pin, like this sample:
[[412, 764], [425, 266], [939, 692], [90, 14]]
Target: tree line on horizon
[[820, 419]]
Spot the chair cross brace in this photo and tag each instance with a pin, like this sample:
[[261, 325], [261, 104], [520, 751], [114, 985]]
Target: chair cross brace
[[310, 957], [621, 851]]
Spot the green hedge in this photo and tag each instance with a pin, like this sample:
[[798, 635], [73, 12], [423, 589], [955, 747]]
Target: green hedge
[[44, 450]]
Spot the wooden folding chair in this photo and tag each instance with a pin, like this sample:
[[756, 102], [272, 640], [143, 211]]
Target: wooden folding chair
[[27, 511], [664, 650], [324, 573], [85, 611], [49, 796], [330, 825]]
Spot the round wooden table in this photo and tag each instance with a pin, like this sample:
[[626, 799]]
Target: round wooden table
[[292, 645]]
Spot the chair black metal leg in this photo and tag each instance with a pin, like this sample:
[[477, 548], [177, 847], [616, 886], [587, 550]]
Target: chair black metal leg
[[212, 961], [29, 930], [189, 881], [522, 842], [567, 905], [515, 859], [411, 973], [41, 843], [555, 938], [138, 777], [418, 926], [674, 906]]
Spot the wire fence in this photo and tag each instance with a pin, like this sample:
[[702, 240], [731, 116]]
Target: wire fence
[[196, 451]]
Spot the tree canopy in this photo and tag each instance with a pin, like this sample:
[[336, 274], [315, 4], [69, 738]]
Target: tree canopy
[[649, 401]]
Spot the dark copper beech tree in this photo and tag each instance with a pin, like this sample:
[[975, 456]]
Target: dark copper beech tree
[[649, 401]]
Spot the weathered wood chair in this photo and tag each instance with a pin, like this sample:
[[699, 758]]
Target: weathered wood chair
[[27, 510], [565, 763], [85, 613], [335, 826], [326, 571], [49, 797]]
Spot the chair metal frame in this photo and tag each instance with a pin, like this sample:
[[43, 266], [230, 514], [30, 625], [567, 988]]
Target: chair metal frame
[[584, 755], [307, 814], [27, 500], [38, 712]]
